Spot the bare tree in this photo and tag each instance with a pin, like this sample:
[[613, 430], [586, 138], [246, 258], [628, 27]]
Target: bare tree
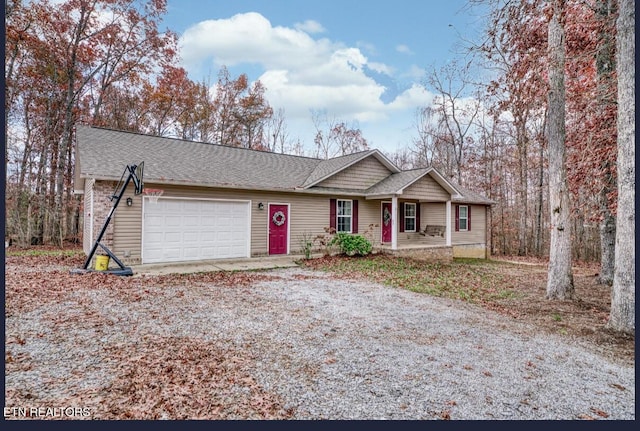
[[456, 114], [276, 132], [560, 278], [431, 147], [336, 138], [623, 296]]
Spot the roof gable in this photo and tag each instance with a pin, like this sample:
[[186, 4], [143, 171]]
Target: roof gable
[[398, 182], [359, 176], [330, 167]]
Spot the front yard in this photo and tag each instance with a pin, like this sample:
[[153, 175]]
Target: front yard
[[154, 347], [504, 285]]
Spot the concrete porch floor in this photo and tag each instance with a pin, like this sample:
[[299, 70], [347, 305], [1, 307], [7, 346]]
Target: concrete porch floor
[[387, 247]]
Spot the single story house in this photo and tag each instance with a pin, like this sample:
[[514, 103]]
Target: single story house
[[224, 202]]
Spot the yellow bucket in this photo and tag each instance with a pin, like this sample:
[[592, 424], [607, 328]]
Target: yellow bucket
[[102, 263]]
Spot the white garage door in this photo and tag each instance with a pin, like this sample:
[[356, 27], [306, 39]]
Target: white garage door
[[177, 230]]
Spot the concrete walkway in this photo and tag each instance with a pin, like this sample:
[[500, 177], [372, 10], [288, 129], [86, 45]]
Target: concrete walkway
[[255, 263]]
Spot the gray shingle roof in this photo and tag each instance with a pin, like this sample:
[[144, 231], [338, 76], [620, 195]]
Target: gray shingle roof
[[471, 197], [104, 154], [395, 182]]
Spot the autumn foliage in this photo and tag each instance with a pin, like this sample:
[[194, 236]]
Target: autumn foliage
[[109, 63]]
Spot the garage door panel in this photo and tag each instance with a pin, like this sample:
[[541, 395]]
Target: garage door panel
[[207, 221], [190, 236], [186, 230], [171, 238], [191, 221]]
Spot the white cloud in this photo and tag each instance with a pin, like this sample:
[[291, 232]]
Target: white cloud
[[299, 72], [404, 49], [411, 98], [381, 68], [416, 73], [310, 26]]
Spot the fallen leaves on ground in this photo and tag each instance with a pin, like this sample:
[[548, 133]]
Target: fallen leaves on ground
[[186, 378], [37, 278], [157, 378]]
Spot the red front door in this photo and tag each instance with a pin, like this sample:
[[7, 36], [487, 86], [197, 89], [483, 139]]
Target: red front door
[[386, 221], [278, 229]]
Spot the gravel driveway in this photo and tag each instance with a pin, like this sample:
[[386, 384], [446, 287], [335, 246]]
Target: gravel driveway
[[335, 349]]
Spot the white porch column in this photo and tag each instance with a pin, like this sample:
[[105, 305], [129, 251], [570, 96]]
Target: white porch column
[[448, 224], [394, 223]]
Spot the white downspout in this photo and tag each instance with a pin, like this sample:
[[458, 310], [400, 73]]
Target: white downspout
[[448, 224], [394, 223]]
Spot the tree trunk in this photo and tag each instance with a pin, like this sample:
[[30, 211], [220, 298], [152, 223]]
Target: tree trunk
[[560, 278], [539, 234], [523, 190], [605, 66], [607, 240], [623, 295]]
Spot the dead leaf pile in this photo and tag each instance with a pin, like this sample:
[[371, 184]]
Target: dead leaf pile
[[178, 378]]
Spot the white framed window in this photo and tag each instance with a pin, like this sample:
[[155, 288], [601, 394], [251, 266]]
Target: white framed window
[[409, 217], [344, 216], [463, 217]]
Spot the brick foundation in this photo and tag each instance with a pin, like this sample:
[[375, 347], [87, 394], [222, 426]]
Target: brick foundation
[[427, 254], [473, 251]]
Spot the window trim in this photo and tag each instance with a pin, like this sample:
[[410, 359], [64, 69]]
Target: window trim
[[465, 218], [344, 216], [414, 217]]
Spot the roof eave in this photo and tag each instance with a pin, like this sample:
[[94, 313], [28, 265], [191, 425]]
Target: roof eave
[[380, 196]]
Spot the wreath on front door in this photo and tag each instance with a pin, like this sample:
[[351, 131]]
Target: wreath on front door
[[278, 218], [386, 216]]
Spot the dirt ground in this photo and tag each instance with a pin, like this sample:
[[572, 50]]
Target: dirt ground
[[584, 318]]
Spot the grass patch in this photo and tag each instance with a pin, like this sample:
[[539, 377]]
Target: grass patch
[[471, 280]]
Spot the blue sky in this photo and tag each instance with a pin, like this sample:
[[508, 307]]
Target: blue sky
[[360, 62]]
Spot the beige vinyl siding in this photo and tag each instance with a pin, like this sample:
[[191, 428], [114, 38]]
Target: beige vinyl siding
[[426, 189], [127, 235], [309, 214], [433, 213], [369, 222], [360, 176], [477, 234]]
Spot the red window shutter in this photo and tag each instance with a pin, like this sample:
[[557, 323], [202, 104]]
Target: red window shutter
[[469, 217], [402, 217], [333, 214], [457, 218], [417, 216], [354, 219]]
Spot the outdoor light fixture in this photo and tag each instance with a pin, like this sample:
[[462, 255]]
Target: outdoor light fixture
[[129, 202], [260, 206]]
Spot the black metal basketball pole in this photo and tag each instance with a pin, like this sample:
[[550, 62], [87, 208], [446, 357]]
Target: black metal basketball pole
[[123, 270]]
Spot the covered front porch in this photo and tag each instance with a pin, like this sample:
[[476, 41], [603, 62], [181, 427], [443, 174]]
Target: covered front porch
[[414, 224], [415, 210]]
